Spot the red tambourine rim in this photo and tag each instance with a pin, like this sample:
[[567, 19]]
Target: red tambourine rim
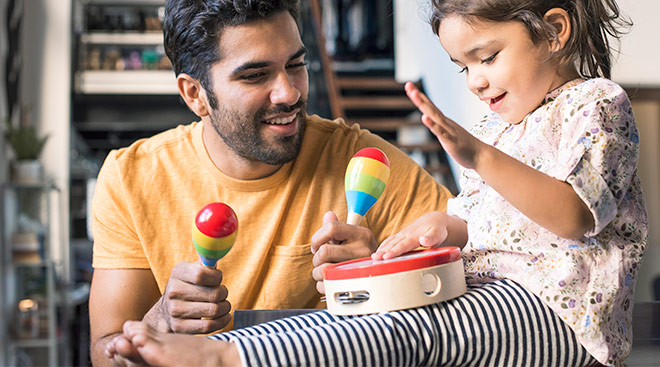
[[435, 257]]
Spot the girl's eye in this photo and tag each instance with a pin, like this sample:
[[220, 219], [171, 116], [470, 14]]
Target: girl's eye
[[489, 59], [464, 69]]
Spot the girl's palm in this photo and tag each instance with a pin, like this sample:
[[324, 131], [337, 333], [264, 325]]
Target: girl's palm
[[455, 140]]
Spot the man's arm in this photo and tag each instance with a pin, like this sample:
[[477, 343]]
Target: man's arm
[[116, 296], [193, 302]]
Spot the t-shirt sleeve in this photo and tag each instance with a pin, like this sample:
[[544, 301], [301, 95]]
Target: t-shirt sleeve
[[116, 244], [598, 151]]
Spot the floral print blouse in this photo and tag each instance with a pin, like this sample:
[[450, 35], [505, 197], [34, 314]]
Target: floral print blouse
[[584, 134]]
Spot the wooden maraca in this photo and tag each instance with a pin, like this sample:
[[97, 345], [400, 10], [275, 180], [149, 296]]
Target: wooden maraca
[[366, 176], [214, 232]]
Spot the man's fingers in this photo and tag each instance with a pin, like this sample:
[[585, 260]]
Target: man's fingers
[[195, 310], [196, 273], [199, 326], [320, 287], [330, 253], [181, 291], [317, 272]]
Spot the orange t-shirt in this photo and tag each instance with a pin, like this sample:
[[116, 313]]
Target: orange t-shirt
[[148, 194]]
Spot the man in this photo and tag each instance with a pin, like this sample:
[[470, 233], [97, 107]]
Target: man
[[240, 67]]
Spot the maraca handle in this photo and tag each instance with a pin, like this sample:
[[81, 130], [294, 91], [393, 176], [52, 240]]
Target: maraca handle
[[354, 219]]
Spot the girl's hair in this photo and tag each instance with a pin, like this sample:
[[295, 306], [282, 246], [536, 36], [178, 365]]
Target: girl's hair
[[588, 47]]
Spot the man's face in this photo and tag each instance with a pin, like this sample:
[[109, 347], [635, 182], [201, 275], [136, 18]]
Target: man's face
[[261, 86]]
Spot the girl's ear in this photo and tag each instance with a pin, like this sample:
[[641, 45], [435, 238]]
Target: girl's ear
[[193, 94], [561, 21]]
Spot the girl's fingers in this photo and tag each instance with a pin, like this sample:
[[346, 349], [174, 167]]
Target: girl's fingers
[[437, 130], [401, 248], [424, 104], [384, 247]]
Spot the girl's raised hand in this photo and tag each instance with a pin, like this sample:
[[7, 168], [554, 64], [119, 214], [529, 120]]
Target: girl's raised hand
[[455, 140], [429, 230]]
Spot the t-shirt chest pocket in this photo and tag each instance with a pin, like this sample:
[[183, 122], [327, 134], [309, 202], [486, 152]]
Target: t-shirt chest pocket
[[288, 282]]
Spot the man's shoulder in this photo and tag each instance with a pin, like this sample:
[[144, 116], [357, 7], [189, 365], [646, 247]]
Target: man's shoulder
[[168, 150], [326, 130], [327, 126], [162, 142]]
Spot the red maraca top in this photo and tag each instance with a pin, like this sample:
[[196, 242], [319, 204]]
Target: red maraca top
[[216, 220], [373, 153]]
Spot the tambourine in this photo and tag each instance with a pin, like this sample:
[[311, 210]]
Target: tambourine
[[415, 279]]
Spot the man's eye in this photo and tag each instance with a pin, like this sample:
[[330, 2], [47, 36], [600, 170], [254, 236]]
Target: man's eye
[[298, 65], [253, 76]]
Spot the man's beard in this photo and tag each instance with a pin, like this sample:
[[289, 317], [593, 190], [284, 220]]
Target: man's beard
[[244, 136]]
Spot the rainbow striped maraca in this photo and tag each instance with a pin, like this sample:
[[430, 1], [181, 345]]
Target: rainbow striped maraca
[[214, 232], [366, 176]]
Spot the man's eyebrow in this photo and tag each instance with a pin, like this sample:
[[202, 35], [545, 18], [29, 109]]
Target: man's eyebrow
[[262, 64], [301, 51]]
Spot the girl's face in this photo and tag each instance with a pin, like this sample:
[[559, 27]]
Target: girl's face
[[502, 65]]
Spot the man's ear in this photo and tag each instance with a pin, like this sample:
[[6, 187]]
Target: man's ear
[[561, 21], [193, 94]]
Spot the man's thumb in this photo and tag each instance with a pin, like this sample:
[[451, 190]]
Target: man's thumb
[[330, 217]]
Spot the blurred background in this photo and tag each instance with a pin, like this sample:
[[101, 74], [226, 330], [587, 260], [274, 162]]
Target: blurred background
[[79, 78]]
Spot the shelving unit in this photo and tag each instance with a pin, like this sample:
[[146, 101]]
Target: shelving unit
[[120, 48], [35, 278]]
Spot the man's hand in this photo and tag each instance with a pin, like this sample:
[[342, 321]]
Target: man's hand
[[194, 301], [336, 242], [193, 292]]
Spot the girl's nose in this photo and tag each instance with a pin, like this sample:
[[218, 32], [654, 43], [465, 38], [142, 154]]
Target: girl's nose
[[284, 91], [477, 83]]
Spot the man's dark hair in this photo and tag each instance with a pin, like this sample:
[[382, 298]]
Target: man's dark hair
[[192, 29]]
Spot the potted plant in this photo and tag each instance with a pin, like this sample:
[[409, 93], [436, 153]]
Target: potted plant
[[27, 146]]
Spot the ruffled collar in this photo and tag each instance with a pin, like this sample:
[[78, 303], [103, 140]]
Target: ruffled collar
[[552, 95]]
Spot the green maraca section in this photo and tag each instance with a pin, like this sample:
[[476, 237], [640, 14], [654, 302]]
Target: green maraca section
[[365, 183], [210, 254]]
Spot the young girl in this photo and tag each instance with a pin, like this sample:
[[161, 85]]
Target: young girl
[[551, 217]]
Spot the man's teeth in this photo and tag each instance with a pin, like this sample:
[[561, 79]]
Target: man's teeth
[[282, 121]]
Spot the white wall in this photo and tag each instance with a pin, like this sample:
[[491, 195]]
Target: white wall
[[46, 90], [638, 64], [418, 55]]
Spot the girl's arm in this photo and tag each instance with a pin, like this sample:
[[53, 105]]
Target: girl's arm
[[551, 203]]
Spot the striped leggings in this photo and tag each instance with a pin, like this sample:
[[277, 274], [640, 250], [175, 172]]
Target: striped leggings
[[494, 324]]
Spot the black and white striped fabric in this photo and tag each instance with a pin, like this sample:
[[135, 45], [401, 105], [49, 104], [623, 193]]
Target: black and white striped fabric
[[495, 324]]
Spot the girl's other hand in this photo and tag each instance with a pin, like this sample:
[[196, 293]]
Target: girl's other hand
[[455, 140], [429, 230]]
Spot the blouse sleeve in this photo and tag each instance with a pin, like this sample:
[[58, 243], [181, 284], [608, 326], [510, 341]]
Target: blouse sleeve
[[599, 148]]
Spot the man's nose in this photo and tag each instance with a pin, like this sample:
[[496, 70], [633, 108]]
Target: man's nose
[[284, 91]]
